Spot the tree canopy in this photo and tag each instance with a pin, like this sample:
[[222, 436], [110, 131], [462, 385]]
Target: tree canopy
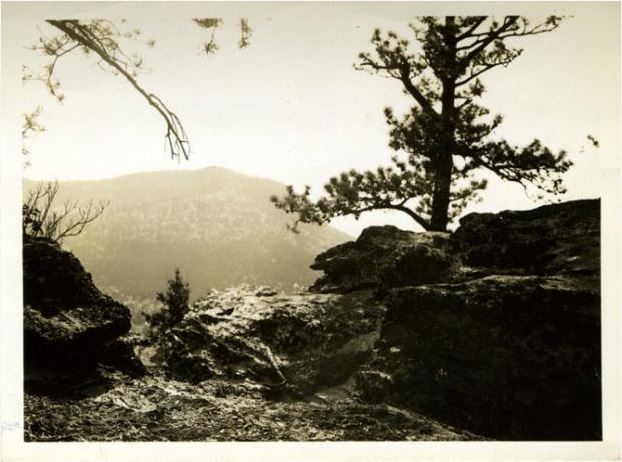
[[447, 137]]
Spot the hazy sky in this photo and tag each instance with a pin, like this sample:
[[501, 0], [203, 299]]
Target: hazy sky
[[291, 107]]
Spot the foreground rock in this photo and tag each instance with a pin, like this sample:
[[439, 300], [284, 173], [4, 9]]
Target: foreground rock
[[511, 357], [495, 329], [294, 343], [70, 327]]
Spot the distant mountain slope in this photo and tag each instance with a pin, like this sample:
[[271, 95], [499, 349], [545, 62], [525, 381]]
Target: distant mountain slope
[[217, 225]]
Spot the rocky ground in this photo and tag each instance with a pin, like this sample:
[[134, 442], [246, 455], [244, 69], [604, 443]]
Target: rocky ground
[[244, 365], [156, 408], [493, 330]]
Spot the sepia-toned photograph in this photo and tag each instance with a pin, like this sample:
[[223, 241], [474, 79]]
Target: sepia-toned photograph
[[311, 222]]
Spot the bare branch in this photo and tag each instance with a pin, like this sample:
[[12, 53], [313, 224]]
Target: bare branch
[[41, 216], [471, 29], [486, 67], [493, 35], [101, 37]]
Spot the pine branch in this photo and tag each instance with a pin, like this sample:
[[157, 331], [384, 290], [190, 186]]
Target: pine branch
[[84, 36]]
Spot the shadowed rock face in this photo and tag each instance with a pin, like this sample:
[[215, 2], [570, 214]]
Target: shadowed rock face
[[383, 256], [512, 357], [69, 325], [495, 328], [553, 239]]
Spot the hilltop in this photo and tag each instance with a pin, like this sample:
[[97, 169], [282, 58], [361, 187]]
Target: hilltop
[[217, 225]]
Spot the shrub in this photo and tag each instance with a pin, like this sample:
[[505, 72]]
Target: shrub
[[175, 301]]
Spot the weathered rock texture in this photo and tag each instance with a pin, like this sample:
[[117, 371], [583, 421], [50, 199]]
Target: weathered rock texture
[[512, 357], [297, 343], [553, 239], [70, 327], [384, 256], [494, 329]]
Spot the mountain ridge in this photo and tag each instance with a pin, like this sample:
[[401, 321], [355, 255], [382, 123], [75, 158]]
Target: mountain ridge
[[217, 225]]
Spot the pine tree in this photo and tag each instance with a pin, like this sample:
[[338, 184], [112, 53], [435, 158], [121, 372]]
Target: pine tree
[[175, 301], [446, 137]]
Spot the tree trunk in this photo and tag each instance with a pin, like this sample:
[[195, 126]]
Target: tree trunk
[[440, 198], [444, 160]]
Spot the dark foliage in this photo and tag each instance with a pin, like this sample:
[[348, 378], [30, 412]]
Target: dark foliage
[[210, 46], [175, 301]]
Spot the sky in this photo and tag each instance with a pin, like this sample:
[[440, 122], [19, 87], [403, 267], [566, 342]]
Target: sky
[[291, 107]]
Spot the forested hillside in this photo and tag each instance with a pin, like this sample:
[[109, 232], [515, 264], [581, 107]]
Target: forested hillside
[[216, 225]]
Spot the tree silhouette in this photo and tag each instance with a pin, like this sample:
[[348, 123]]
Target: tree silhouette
[[445, 139], [175, 301]]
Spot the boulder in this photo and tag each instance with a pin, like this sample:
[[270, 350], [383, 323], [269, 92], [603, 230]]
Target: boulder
[[552, 239], [509, 357], [54, 279], [70, 327], [383, 256], [302, 342]]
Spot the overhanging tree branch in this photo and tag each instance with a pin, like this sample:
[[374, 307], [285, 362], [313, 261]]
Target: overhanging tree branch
[[175, 134]]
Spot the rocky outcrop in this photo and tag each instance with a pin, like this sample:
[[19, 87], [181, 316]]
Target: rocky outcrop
[[294, 343], [553, 239], [494, 328], [70, 327], [511, 357], [384, 256]]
